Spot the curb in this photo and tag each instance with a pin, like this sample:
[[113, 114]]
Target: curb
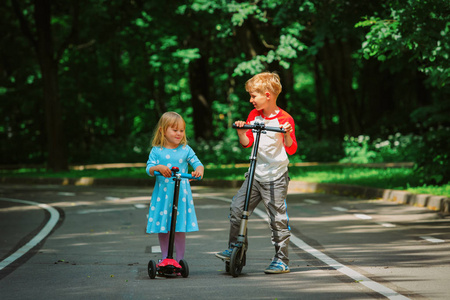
[[432, 202]]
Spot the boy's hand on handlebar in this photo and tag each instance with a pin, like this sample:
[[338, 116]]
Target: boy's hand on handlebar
[[242, 133], [287, 127]]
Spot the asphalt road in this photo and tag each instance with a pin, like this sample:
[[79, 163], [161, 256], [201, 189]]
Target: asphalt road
[[89, 243]]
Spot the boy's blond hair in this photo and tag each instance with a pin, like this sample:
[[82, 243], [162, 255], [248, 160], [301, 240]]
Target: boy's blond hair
[[168, 119], [263, 82]]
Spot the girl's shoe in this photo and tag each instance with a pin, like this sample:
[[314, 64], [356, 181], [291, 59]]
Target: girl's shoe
[[277, 267]]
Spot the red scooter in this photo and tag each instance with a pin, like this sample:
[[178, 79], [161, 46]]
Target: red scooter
[[169, 267]]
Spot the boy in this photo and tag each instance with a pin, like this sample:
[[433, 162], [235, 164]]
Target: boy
[[271, 174]]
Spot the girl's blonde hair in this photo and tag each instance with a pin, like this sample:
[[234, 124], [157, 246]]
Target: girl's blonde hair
[[168, 119], [263, 82]]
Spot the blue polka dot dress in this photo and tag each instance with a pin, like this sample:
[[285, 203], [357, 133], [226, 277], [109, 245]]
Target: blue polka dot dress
[[160, 212]]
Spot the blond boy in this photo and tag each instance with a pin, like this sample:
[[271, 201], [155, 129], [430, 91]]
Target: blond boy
[[271, 174]]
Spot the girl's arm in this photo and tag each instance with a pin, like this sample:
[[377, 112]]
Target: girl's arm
[[164, 170], [198, 172]]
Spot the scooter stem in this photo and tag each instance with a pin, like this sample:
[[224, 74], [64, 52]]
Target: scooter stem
[[176, 193]]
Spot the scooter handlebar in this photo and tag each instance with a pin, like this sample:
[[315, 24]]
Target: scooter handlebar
[[183, 175], [263, 127]]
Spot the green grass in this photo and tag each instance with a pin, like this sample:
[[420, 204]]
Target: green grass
[[390, 178]]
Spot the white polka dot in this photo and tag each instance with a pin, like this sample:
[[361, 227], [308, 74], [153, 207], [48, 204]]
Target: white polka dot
[[192, 160], [165, 212], [192, 202], [185, 191], [193, 224], [169, 165], [161, 213], [167, 156], [153, 208], [150, 220], [184, 199], [158, 199], [166, 180], [180, 160], [189, 210], [157, 223], [163, 228]]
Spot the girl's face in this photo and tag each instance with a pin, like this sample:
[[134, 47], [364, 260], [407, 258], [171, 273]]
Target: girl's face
[[174, 136], [259, 100]]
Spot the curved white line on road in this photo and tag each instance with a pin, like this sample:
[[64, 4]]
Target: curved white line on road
[[374, 286], [54, 217]]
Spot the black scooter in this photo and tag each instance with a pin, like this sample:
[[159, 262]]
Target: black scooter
[[169, 267], [238, 255]]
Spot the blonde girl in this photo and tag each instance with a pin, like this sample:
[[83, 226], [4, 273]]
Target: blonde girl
[[170, 149]]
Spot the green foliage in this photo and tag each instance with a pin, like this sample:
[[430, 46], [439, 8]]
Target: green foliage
[[433, 158], [418, 30], [128, 62], [396, 148]]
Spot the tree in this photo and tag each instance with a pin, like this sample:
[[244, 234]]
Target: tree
[[43, 44]]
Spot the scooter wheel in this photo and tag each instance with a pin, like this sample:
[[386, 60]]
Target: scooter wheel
[[237, 261], [151, 269], [184, 268]]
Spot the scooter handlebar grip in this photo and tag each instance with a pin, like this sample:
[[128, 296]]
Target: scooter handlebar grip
[[183, 175], [248, 126]]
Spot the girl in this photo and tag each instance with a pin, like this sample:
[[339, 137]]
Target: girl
[[170, 149]]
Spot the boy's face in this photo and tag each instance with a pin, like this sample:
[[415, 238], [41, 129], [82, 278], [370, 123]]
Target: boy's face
[[259, 100]]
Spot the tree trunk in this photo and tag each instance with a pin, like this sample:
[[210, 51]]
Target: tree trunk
[[319, 99], [201, 100], [57, 157], [337, 66]]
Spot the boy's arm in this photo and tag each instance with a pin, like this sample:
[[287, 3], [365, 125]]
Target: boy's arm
[[242, 134], [290, 142]]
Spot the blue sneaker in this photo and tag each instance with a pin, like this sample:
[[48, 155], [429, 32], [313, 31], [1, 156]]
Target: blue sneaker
[[225, 255], [277, 267]]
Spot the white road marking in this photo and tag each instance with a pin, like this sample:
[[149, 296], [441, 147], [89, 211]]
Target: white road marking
[[432, 239], [387, 224], [311, 201], [156, 249], [140, 206], [54, 217], [340, 208], [375, 286], [66, 194], [104, 210], [363, 216], [112, 198]]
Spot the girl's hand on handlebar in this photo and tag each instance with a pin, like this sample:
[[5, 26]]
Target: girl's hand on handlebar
[[198, 172], [164, 170]]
